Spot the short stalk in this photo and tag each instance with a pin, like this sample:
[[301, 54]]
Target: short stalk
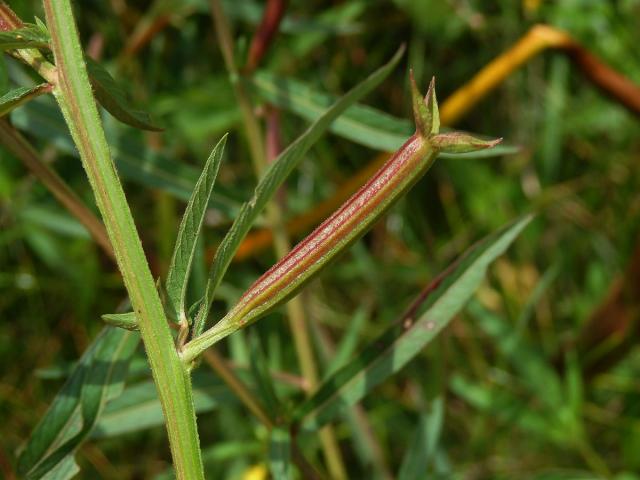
[[74, 95]]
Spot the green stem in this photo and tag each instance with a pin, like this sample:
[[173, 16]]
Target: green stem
[[73, 93]]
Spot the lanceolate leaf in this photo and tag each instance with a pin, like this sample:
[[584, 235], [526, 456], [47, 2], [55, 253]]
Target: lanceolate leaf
[[113, 99], [98, 378], [190, 227], [18, 96], [29, 36], [404, 340], [273, 179]]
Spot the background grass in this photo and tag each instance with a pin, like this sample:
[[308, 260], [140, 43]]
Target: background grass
[[519, 401]]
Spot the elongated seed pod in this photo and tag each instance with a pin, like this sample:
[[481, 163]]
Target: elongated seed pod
[[352, 220]]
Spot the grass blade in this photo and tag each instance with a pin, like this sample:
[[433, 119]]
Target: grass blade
[[190, 227], [424, 443], [274, 177], [98, 378], [401, 342], [280, 454], [21, 95]]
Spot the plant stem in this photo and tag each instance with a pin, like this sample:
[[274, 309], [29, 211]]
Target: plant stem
[[74, 95]]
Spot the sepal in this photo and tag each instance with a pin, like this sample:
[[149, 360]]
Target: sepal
[[425, 110], [460, 142], [128, 320]]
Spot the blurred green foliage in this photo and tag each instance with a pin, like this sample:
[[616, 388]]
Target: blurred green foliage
[[507, 410]]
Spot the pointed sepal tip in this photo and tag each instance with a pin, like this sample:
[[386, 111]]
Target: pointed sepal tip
[[461, 142], [425, 110]]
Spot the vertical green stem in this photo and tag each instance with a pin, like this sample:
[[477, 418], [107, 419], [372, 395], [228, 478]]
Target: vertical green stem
[[73, 93]]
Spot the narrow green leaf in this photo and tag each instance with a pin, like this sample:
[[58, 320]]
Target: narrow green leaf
[[127, 320], [138, 408], [135, 162], [274, 177], [97, 379], [280, 454], [190, 227], [21, 95], [424, 443], [109, 94], [29, 36], [361, 124], [401, 342]]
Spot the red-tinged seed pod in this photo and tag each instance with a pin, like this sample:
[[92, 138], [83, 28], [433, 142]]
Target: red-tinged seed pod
[[352, 220]]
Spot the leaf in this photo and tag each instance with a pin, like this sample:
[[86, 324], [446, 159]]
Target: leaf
[[138, 408], [113, 99], [21, 95], [98, 378], [190, 227], [404, 340], [29, 36], [280, 454], [275, 175], [425, 441], [361, 124], [134, 161]]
